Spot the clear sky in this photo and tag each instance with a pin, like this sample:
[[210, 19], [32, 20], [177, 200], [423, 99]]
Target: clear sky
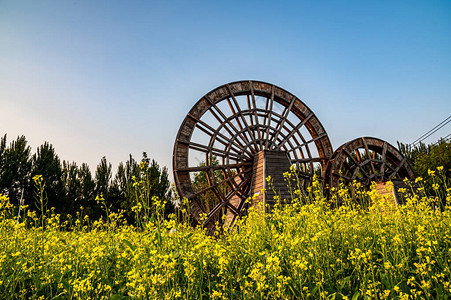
[[109, 78]]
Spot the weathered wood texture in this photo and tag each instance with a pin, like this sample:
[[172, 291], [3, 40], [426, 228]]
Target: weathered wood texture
[[366, 159], [386, 191], [238, 120], [274, 164], [394, 192], [258, 179]]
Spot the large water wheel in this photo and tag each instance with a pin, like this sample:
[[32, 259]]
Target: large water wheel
[[234, 137]]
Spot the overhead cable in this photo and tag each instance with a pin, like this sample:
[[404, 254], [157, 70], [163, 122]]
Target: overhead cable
[[446, 137], [432, 131], [442, 139]]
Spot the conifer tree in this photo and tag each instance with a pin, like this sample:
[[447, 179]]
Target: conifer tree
[[15, 169], [86, 195], [71, 185], [2, 163], [121, 192], [103, 177], [46, 162]]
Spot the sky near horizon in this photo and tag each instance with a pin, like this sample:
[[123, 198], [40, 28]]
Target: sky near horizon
[[109, 78]]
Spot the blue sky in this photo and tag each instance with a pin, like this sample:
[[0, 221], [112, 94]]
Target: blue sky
[[109, 78]]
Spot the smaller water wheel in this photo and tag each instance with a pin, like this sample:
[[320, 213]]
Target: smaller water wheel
[[365, 160]]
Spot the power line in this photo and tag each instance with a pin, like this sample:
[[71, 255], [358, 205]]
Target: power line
[[429, 131], [443, 139], [432, 131]]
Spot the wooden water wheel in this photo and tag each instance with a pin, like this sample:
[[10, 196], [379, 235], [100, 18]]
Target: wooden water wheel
[[233, 137], [365, 160]]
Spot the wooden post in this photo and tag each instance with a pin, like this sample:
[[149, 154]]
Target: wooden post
[[270, 163]]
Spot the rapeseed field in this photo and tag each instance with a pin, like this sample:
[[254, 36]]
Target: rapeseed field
[[354, 244]]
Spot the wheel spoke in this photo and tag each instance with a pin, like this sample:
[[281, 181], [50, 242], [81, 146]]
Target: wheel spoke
[[398, 168], [223, 119], [284, 118], [342, 176], [242, 132], [296, 129], [255, 115], [355, 162], [307, 142], [384, 163], [357, 153], [204, 127], [369, 156], [213, 167], [240, 114], [355, 173], [384, 158], [223, 203], [214, 151], [269, 110], [202, 191]]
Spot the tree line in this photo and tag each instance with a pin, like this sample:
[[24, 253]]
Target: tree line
[[70, 187], [424, 157]]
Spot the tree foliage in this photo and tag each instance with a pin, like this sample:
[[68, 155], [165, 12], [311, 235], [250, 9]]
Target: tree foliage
[[15, 171], [46, 162], [428, 157], [203, 180], [126, 184], [68, 186]]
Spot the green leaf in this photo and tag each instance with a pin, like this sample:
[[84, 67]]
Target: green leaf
[[345, 280], [129, 244], [118, 297], [355, 296], [315, 289], [176, 254]]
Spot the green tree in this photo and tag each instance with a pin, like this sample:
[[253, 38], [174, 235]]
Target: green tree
[[152, 179], [103, 177], [70, 183], [79, 187], [46, 162], [102, 182], [428, 157], [121, 192], [15, 170], [118, 189], [201, 181], [159, 180], [155, 181], [2, 163], [2, 151], [86, 194]]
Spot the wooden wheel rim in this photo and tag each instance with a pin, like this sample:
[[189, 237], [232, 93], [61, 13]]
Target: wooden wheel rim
[[380, 162], [243, 131]]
